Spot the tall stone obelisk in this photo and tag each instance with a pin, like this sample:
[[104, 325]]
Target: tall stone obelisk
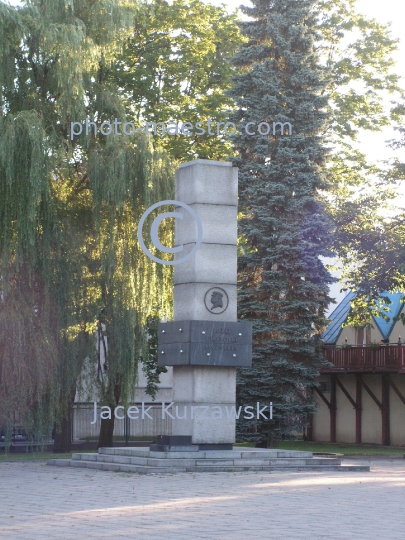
[[204, 343]]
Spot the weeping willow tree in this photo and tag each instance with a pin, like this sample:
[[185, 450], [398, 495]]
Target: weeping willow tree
[[28, 337], [131, 289], [69, 211]]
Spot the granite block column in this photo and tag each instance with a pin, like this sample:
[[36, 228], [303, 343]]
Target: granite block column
[[205, 288]]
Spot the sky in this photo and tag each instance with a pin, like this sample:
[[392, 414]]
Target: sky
[[373, 144]]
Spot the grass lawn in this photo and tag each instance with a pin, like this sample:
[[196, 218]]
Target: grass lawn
[[346, 449]]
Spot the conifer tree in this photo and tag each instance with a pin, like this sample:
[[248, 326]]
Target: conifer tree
[[284, 228]]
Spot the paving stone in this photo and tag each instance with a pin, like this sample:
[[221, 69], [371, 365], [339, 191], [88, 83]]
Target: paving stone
[[78, 504]]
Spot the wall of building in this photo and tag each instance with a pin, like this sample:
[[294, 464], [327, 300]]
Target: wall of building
[[165, 387], [346, 417], [371, 414], [374, 334], [349, 333], [398, 330], [397, 416], [88, 391], [371, 422], [321, 422]]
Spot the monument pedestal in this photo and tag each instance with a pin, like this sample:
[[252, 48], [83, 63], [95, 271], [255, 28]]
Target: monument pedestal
[[148, 461], [204, 356], [206, 395]]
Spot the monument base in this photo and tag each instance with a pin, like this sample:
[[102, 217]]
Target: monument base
[[204, 404], [145, 461], [183, 443]]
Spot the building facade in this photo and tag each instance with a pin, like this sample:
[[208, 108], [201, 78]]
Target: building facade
[[361, 396]]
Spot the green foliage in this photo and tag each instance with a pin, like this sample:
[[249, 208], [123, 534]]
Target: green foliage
[[150, 361], [368, 241], [357, 51], [283, 283], [176, 66], [24, 189], [69, 209], [124, 183], [358, 77]]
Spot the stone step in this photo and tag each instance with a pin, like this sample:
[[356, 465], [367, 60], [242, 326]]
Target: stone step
[[116, 467], [128, 460], [187, 462], [144, 469], [203, 454], [142, 460]]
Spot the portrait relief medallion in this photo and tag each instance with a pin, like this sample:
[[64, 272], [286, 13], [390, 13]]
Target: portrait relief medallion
[[216, 300]]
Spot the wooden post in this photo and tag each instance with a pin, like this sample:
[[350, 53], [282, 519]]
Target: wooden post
[[333, 408], [359, 406], [394, 387], [310, 432], [385, 411]]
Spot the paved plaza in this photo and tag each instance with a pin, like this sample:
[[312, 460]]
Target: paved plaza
[[39, 502]]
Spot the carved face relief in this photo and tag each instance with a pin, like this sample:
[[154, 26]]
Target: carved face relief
[[216, 300]]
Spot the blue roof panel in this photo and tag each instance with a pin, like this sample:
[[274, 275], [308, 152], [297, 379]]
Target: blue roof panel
[[393, 310], [338, 317]]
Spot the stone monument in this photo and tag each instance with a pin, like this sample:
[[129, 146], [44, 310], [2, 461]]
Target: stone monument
[[204, 343]]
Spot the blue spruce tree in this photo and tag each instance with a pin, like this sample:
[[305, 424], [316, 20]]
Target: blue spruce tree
[[284, 227]]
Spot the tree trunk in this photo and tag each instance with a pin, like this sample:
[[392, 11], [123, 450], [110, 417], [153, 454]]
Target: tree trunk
[[105, 437], [62, 439], [63, 436]]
